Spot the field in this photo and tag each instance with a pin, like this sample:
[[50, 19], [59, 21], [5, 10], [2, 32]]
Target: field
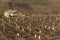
[[40, 20]]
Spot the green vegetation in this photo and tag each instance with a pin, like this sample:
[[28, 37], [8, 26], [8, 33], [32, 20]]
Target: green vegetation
[[0, 16]]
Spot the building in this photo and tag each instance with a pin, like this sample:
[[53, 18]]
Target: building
[[9, 13]]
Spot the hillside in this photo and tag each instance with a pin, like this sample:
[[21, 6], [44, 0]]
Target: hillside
[[34, 20]]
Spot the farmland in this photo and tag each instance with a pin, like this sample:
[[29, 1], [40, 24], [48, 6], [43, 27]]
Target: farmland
[[35, 20]]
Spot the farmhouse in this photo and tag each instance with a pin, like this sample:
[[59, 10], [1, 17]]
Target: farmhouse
[[9, 13]]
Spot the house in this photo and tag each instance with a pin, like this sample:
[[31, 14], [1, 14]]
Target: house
[[9, 13]]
